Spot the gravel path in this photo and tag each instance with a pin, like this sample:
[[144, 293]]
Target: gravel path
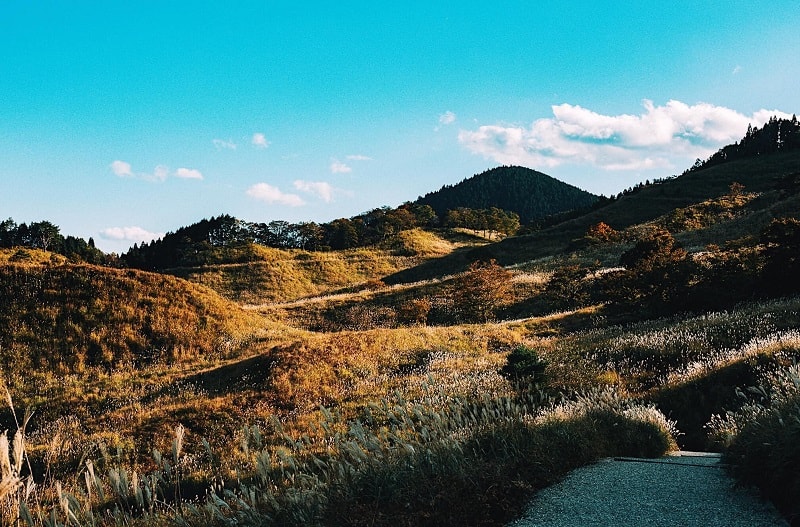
[[685, 489]]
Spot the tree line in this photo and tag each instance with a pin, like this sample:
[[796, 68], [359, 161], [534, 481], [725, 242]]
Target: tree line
[[226, 239], [777, 135], [47, 236]]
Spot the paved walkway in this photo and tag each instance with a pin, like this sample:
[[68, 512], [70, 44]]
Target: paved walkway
[[685, 489]]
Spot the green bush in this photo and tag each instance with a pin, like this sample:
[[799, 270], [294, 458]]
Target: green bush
[[525, 364]]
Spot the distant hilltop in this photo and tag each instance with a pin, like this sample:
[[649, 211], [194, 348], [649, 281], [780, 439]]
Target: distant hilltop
[[531, 194]]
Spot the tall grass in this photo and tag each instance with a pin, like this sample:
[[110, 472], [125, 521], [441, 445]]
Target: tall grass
[[762, 438], [402, 463]]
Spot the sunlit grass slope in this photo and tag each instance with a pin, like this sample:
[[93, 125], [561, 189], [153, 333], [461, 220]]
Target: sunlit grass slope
[[277, 275], [68, 317]]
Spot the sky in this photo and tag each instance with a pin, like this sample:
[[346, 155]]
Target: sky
[[122, 121]]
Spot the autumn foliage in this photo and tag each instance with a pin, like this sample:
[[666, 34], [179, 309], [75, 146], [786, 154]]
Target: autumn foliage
[[482, 290]]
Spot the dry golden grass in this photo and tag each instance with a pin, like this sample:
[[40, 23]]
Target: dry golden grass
[[417, 242], [290, 275], [26, 256], [348, 367], [279, 276], [73, 316]]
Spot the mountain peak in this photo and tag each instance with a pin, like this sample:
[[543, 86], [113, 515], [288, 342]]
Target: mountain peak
[[531, 194]]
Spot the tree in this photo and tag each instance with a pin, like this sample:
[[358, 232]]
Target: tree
[[425, 215], [341, 234], [602, 232], [480, 291], [655, 250], [308, 235], [43, 234], [8, 233], [280, 234]]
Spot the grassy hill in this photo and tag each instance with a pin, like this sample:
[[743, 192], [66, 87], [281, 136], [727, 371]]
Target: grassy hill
[[278, 275], [68, 317], [531, 194]]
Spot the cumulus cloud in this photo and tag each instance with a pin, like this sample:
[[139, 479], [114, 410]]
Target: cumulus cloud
[[337, 167], [131, 234], [447, 117], [321, 189], [121, 168], [615, 142], [221, 144], [188, 173], [273, 195], [358, 157], [259, 141]]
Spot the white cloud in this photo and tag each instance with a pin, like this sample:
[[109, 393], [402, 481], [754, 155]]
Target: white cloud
[[160, 173], [121, 168], [615, 142], [736, 70], [221, 144], [320, 189], [337, 167], [447, 117], [132, 234], [188, 173], [259, 141], [269, 194], [358, 157]]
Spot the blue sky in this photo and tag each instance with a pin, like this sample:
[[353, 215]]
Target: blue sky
[[121, 121]]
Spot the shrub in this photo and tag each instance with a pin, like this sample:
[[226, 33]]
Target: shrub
[[602, 233], [415, 311], [568, 288], [782, 252], [524, 364]]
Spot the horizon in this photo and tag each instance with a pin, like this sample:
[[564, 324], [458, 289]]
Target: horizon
[[122, 123]]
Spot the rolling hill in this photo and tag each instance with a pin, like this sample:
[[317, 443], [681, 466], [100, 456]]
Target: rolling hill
[[75, 316]]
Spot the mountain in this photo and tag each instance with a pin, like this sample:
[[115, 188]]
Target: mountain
[[529, 193]]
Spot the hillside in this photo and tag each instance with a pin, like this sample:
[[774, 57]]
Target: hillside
[[283, 275], [70, 317], [767, 175], [531, 194]]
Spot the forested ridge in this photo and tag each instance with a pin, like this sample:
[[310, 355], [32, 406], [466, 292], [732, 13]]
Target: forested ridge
[[531, 194], [777, 135]]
